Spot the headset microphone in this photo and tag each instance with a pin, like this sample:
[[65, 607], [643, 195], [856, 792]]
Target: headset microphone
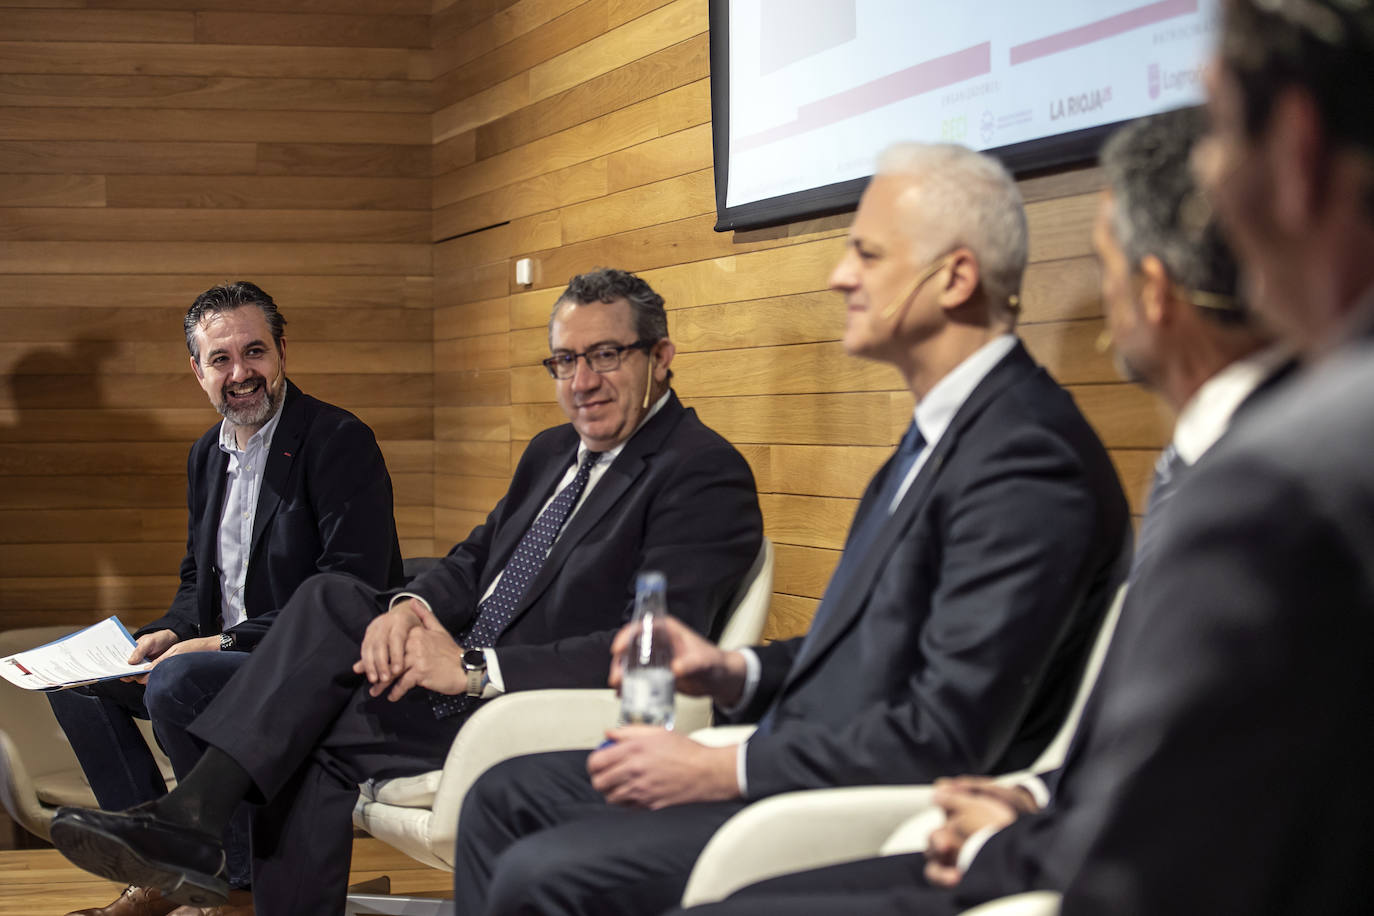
[[915, 284], [648, 389]]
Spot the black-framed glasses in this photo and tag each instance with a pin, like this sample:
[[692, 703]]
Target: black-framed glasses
[[604, 358]]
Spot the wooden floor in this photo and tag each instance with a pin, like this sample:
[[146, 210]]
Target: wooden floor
[[39, 882]]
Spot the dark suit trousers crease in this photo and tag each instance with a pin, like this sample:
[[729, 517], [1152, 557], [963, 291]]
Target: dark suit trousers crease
[[302, 724], [535, 837]]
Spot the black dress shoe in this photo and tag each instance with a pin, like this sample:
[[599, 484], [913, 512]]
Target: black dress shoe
[[136, 847]]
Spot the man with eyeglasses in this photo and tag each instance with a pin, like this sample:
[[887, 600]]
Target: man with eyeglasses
[[531, 599]]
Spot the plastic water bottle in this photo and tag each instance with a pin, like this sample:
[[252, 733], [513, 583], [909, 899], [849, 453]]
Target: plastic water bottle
[[646, 687]]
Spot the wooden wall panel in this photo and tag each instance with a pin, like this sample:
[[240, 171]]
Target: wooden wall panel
[[593, 148], [86, 122], [208, 60], [380, 177], [148, 150]]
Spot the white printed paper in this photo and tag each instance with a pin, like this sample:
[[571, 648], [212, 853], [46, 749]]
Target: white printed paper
[[97, 653]]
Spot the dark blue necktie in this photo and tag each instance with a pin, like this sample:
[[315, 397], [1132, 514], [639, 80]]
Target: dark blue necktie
[[876, 513], [497, 609], [1169, 467]]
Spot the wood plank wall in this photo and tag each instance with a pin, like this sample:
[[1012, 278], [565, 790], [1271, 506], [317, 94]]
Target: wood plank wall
[[152, 148], [577, 133], [378, 165]]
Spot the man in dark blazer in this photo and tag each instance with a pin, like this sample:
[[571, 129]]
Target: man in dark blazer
[[1169, 289], [654, 489], [320, 501], [953, 631]]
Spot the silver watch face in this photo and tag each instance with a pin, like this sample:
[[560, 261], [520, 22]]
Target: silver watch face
[[474, 660], [226, 641]]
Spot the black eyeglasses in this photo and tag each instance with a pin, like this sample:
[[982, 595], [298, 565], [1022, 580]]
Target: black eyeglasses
[[599, 359]]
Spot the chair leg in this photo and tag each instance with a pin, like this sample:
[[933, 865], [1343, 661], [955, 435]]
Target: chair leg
[[382, 905], [379, 885]]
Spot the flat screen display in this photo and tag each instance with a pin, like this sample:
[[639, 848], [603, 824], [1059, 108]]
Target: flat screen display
[[805, 93]]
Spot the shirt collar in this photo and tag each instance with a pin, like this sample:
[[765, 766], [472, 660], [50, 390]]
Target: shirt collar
[[936, 410], [229, 443], [1206, 416], [611, 453]]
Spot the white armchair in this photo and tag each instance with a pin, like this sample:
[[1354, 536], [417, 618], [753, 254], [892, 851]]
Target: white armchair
[[419, 814], [776, 836], [38, 770]]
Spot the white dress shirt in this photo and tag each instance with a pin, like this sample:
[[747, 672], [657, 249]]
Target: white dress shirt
[[242, 486]]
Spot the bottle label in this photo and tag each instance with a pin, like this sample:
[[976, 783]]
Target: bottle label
[[646, 697]]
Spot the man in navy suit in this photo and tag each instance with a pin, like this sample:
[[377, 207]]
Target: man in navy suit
[[1169, 289], [950, 637], [531, 598], [285, 486]]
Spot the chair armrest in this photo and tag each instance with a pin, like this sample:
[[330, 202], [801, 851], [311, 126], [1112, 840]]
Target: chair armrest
[[530, 722], [524, 722], [1035, 903], [17, 793], [780, 835]]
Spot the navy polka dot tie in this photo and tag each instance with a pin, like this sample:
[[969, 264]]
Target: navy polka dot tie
[[496, 611]]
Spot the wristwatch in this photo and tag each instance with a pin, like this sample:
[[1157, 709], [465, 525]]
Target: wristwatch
[[475, 664], [226, 642]]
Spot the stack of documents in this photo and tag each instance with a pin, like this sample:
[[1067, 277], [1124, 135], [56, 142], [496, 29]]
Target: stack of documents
[[97, 653]]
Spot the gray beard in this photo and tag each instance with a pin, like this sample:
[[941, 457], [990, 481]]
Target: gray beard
[[249, 416]]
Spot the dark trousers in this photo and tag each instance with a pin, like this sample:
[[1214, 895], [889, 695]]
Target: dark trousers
[[99, 722], [535, 837], [303, 726], [885, 886]]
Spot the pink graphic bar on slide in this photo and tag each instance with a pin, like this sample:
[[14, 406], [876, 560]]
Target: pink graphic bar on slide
[[904, 84], [1102, 28]]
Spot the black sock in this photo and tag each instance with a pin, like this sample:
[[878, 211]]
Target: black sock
[[207, 797]]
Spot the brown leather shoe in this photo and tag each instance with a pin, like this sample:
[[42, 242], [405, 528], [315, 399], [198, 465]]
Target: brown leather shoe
[[240, 903], [135, 901]]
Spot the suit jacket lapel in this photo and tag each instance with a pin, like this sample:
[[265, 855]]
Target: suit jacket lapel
[[627, 467], [286, 443], [846, 602]]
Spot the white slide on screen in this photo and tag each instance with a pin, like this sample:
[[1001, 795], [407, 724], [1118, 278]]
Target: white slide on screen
[[819, 87]]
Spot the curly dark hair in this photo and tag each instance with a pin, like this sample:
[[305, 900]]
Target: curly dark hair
[[606, 284]]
